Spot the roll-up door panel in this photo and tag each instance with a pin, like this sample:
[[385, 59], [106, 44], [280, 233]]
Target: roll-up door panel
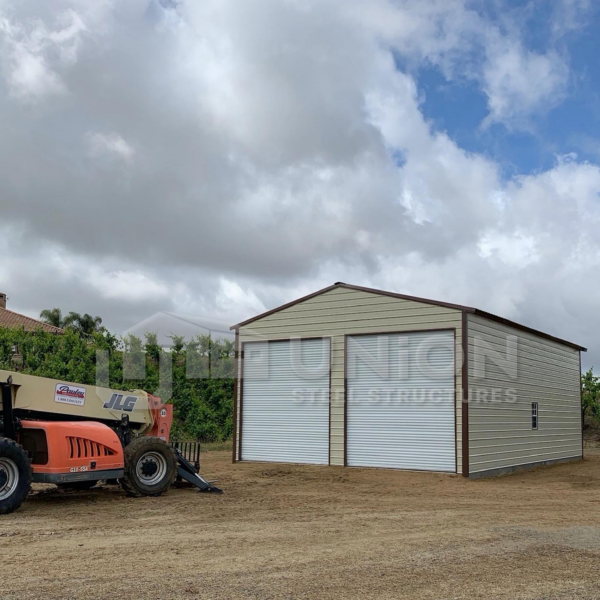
[[285, 406], [400, 401]]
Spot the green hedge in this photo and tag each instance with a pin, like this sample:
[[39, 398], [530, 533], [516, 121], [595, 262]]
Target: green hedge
[[201, 375], [590, 395]]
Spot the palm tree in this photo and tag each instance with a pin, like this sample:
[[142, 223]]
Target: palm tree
[[83, 324], [52, 316]]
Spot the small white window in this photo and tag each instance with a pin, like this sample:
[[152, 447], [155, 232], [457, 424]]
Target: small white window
[[534, 415]]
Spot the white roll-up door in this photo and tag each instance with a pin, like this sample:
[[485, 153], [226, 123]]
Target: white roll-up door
[[400, 401], [285, 401]]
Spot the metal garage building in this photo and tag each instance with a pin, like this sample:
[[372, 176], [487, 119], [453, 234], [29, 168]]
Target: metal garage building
[[361, 377]]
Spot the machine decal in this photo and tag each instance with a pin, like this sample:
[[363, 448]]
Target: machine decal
[[116, 402], [69, 394]]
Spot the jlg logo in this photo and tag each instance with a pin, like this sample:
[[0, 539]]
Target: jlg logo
[[116, 402]]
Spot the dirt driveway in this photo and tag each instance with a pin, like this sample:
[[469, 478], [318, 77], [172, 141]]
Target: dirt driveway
[[314, 532]]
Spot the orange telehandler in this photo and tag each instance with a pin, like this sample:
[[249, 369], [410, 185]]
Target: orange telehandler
[[74, 435]]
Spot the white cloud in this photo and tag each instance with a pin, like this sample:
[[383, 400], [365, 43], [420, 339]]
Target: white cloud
[[231, 297], [128, 286], [519, 82], [273, 148], [516, 250], [31, 78], [452, 35], [109, 144], [33, 53], [570, 15]]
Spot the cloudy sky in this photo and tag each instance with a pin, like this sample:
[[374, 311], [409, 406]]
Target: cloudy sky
[[219, 158]]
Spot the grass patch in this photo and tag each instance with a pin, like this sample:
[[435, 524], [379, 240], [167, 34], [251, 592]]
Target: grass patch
[[216, 446]]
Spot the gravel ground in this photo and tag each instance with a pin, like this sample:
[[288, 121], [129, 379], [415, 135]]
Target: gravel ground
[[300, 532]]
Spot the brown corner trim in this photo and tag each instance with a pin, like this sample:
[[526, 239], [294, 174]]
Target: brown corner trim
[[346, 400], [237, 366], [581, 404], [465, 395], [455, 409], [241, 384], [330, 361]]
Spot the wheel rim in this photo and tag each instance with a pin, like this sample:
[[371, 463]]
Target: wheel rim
[[151, 468], [9, 477]]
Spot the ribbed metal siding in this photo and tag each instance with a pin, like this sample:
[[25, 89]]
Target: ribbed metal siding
[[362, 313], [286, 401], [546, 372], [400, 408]]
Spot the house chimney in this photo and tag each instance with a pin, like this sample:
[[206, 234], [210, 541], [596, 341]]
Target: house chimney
[[2, 300]]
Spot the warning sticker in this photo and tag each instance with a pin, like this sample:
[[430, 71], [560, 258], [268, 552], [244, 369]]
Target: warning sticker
[[69, 394]]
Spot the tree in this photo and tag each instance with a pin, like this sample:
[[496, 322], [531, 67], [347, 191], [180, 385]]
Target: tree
[[590, 394], [52, 316], [83, 324], [200, 371]]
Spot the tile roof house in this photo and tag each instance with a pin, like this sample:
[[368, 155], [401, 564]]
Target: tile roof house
[[11, 319]]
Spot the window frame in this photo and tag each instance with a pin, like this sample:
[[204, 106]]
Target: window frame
[[535, 416]]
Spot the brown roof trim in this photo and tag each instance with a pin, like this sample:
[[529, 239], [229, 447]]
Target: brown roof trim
[[503, 321], [278, 308], [340, 284], [460, 307], [402, 296]]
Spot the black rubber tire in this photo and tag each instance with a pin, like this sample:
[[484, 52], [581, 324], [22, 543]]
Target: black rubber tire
[[11, 450], [132, 483], [78, 485]]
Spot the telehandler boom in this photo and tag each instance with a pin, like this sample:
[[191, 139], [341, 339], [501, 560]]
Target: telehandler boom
[[74, 435]]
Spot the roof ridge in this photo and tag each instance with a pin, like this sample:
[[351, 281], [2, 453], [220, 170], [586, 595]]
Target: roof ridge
[[341, 284], [460, 307]]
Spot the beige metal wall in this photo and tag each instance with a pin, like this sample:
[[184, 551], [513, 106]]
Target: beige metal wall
[[500, 430], [343, 311]]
